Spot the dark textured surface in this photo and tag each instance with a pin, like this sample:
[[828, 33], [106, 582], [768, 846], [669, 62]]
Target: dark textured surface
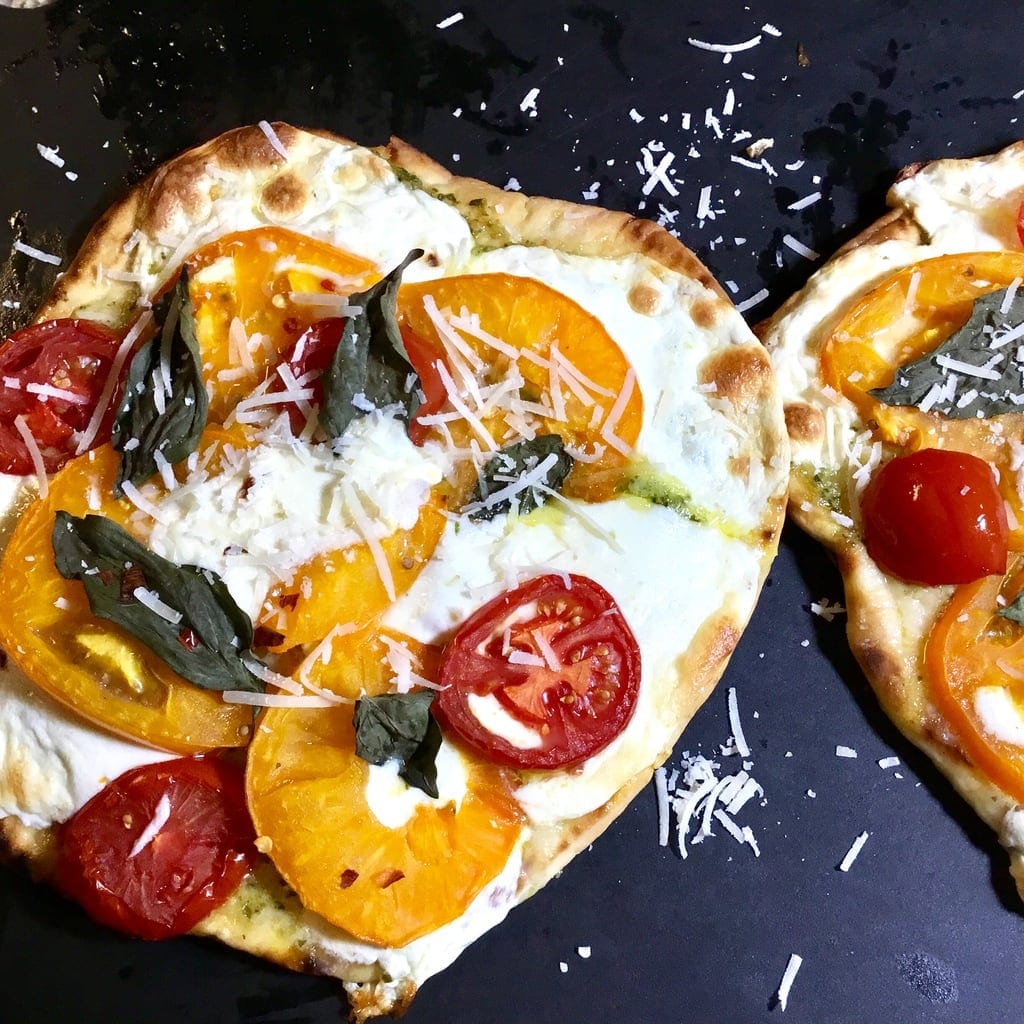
[[924, 927]]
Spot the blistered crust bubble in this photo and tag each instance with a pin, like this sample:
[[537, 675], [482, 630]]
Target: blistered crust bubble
[[804, 423], [285, 197], [743, 375]]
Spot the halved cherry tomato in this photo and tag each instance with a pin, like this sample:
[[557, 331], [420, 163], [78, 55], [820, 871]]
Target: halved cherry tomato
[[935, 516], [73, 357], [1020, 222], [537, 320], [386, 884], [160, 847], [275, 282], [93, 666], [973, 652], [559, 659]]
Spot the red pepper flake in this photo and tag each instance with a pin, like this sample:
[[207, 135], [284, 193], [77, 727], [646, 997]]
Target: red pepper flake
[[247, 484], [288, 601], [131, 579], [328, 285], [189, 639], [263, 636], [388, 877], [348, 877], [292, 325]]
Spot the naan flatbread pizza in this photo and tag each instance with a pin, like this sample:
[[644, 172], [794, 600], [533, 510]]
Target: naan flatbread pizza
[[371, 536], [901, 367]]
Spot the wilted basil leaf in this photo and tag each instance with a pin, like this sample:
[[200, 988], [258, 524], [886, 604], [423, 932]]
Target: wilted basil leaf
[[205, 646], [501, 479], [1014, 611], [991, 377], [400, 726], [152, 418], [370, 365]]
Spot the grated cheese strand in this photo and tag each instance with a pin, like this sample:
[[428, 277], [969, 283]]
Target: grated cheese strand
[[615, 414], [34, 454], [854, 851], [273, 139], [737, 728], [280, 700], [151, 600], [788, 977], [161, 814]]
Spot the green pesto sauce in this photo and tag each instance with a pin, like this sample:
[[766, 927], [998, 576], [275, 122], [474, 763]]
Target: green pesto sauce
[[659, 488], [826, 485], [487, 230]]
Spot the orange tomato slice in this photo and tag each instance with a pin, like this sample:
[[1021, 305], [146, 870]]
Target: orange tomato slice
[[538, 321], [346, 586], [307, 789], [971, 649], [264, 277], [93, 666], [906, 316]]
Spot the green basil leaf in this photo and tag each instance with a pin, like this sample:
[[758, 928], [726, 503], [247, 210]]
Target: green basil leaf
[[1014, 611], [206, 646], [370, 368], [988, 381], [150, 419], [500, 479], [400, 726]]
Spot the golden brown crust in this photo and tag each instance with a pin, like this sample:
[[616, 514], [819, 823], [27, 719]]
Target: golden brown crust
[[568, 227]]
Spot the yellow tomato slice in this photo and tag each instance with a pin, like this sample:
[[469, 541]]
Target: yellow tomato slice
[[905, 317], [538, 321], [385, 885], [262, 277], [355, 663], [345, 587], [93, 666], [973, 654]]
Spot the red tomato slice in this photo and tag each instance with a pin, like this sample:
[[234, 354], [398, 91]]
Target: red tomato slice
[[424, 358], [935, 516], [559, 659], [1020, 222], [51, 375], [160, 847], [306, 360]]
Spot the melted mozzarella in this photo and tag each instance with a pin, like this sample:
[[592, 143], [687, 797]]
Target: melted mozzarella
[[495, 719], [999, 714], [359, 205], [393, 802], [277, 506], [51, 762]]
